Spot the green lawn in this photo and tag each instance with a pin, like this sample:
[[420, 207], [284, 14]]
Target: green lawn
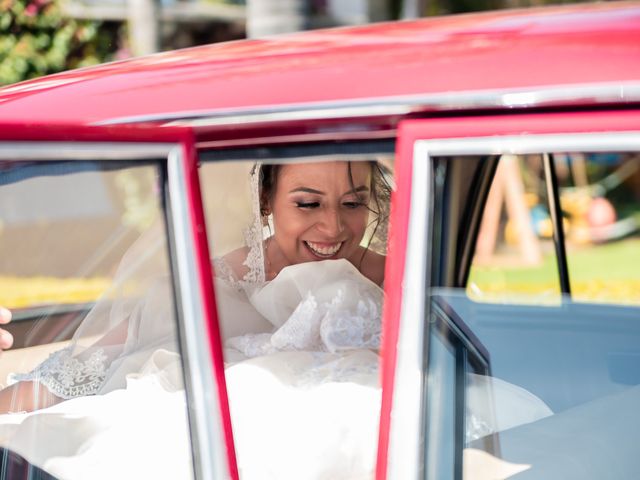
[[604, 273]]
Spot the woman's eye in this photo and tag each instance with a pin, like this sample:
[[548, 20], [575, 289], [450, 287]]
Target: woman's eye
[[308, 205], [353, 205]]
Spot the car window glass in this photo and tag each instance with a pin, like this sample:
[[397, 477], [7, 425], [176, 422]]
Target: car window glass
[[514, 257], [550, 387], [95, 372], [441, 403], [89, 218], [600, 199], [298, 270]]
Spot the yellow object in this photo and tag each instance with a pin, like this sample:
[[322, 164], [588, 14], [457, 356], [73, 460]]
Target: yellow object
[[20, 292], [531, 199], [580, 234], [511, 234], [545, 228]]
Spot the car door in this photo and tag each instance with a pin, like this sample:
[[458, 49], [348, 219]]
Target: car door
[[511, 328], [75, 201]]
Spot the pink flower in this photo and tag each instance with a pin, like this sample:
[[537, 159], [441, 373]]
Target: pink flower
[[31, 10]]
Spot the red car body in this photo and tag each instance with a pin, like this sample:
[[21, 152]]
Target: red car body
[[572, 69]]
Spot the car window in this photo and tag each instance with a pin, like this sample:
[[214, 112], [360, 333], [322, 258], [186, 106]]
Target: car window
[[514, 257], [298, 238], [600, 198], [95, 372], [540, 366]]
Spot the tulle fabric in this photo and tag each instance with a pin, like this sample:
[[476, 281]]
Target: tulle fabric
[[304, 395], [306, 415], [139, 431], [319, 306], [132, 320], [307, 408]]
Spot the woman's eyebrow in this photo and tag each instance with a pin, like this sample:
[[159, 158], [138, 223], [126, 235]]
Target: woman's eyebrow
[[306, 190], [361, 188]]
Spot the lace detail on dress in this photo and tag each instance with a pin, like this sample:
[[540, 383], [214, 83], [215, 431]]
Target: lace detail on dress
[[253, 235], [321, 327], [66, 376], [359, 366], [224, 272], [346, 329]]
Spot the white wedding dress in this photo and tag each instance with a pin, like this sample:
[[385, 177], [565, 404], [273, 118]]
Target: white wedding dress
[[302, 379], [303, 391], [306, 402]]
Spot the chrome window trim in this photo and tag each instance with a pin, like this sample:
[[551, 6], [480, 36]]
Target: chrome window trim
[[509, 98], [534, 143], [34, 150], [406, 447], [210, 459]]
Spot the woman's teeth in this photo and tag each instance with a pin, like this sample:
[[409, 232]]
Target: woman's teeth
[[324, 250]]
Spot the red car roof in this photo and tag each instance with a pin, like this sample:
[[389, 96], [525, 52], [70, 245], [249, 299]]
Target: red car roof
[[525, 49]]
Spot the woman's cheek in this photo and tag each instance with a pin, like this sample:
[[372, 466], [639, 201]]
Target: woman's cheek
[[359, 222]]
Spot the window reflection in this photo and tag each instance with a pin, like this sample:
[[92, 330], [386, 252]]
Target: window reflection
[[514, 259], [600, 201], [558, 398], [95, 372], [600, 195], [87, 218], [441, 408]]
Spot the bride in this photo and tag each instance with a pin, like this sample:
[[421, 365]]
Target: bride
[[299, 306]]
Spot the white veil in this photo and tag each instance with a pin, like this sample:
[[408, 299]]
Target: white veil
[[132, 319]]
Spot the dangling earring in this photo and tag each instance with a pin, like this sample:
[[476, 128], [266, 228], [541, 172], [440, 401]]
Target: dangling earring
[[264, 213]]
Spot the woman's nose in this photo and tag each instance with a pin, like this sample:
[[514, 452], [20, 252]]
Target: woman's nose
[[331, 223]]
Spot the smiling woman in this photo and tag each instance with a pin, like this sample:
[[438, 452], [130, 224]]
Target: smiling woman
[[321, 211], [299, 213]]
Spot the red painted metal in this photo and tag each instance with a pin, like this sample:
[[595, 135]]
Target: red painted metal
[[292, 130], [409, 132], [46, 132], [566, 45], [144, 134], [528, 124], [394, 279], [207, 292]]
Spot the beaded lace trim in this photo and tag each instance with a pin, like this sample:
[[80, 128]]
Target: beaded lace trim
[[223, 271], [253, 235], [66, 376]]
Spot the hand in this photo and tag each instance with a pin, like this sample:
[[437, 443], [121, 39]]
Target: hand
[[6, 339]]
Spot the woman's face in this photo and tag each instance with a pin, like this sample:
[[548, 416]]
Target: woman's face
[[318, 213]]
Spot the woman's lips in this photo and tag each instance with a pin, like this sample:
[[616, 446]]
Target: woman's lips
[[323, 250]]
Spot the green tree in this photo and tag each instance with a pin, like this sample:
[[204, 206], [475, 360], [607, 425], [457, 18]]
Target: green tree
[[37, 39]]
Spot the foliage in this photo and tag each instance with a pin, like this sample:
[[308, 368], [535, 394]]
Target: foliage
[[37, 39]]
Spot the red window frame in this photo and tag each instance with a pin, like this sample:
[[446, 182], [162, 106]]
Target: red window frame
[[189, 196]]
